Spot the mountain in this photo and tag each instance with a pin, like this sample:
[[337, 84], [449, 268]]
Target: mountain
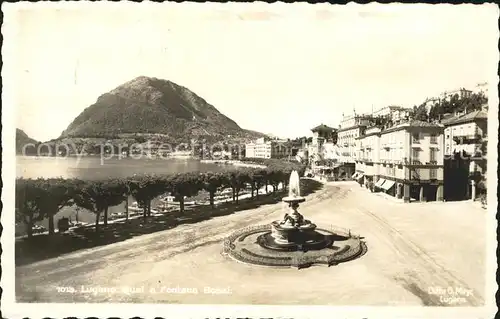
[[155, 106], [23, 139]]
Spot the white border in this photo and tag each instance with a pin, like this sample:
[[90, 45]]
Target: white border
[[11, 309]]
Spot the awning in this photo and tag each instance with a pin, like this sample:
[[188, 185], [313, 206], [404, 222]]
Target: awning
[[379, 182], [388, 184]]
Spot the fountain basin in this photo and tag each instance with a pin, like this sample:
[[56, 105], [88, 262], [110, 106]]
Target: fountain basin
[[292, 241], [294, 199], [293, 238]]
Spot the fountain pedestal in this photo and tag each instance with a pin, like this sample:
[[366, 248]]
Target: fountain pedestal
[[293, 232], [292, 241], [289, 235]]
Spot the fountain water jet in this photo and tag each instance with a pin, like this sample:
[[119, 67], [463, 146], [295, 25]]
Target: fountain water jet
[[293, 232], [292, 241]]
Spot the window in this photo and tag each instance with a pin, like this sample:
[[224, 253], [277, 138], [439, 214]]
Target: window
[[433, 139], [433, 173], [415, 174], [415, 153], [415, 156], [415, 137], [433, 155]]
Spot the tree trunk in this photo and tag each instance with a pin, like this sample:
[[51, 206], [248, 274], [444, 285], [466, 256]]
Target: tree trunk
[[106, 216], [181, 204], [237, 196], [126, 208], [145, 211], [149, 209], [266, 187], [97, 215], [29, 227], [51, 224], [257, 194], [253, 190], [212, 195], [234, 194]]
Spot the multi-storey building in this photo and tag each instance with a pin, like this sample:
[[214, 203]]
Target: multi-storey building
[[467, 135], [430, 102], [264, 148], [351, 127], [405, 160], [321, 134], [368, 159], [393, 112], [466, 132], [462, 93], [386, 111]]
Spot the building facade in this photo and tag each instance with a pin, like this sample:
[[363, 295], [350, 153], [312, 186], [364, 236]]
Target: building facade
[[351, 127], [405, 160], [466, 133], [368, 159], [461, 93], [322, 134], [265, 148], [466, 138]]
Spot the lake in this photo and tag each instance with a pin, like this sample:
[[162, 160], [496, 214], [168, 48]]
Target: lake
[[92, 167]]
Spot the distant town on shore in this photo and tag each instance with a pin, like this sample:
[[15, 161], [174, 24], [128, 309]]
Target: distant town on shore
[[409, 153]]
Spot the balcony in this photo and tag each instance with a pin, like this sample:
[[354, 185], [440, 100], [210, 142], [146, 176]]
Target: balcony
[[432, 162], [478, 156], [459, 139]]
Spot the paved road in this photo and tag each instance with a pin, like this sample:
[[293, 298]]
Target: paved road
[[406, 263]]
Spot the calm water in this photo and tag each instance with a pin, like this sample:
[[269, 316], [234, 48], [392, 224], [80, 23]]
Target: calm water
[[91, 167]]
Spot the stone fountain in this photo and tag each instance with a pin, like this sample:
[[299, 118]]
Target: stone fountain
[[293, 240], [293, 232]]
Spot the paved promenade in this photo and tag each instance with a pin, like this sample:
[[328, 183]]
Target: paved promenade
[[413, 251]]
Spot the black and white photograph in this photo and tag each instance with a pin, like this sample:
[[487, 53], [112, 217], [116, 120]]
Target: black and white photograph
[[249, 160]]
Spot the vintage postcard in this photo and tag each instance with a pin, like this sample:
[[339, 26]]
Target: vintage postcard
[[249, 160]]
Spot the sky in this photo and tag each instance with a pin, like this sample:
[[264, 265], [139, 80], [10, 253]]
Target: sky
[[275, 68]]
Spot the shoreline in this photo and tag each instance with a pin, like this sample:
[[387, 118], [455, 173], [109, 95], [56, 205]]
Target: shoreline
[[232, 162], [155, 211]]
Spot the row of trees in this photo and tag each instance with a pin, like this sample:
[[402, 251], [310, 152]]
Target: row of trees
[[37, 199], [455, 103]]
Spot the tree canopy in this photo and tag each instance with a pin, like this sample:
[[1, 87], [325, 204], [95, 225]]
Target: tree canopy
[[37, 199]]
